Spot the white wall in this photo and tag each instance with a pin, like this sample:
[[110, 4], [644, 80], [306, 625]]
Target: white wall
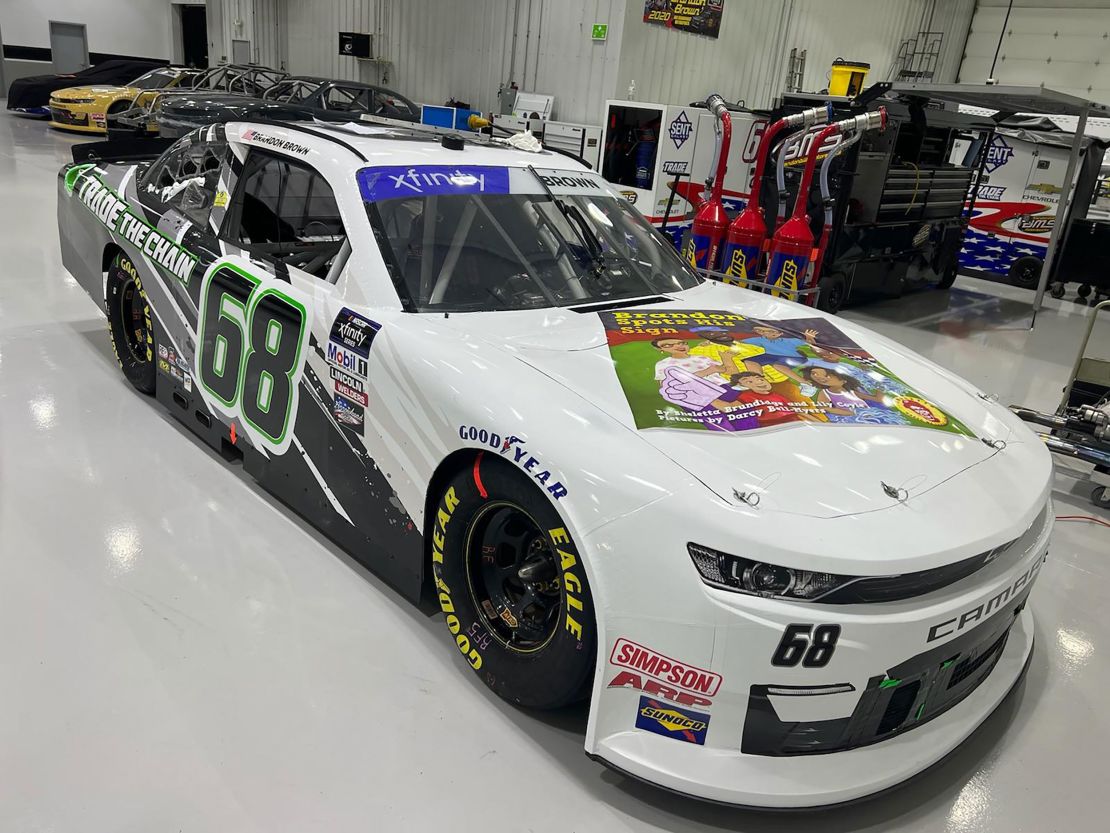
[[121, 27], [440, 49], [748, 60], [1063, 45]]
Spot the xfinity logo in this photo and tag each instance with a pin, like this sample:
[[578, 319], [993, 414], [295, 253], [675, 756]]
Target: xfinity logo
[[417, 182], [390, 182]]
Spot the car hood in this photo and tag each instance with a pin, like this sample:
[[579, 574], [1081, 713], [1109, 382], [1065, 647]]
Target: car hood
[[89, 92], [816, 470]]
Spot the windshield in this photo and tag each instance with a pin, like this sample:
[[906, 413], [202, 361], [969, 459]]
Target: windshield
[[472, 239], [154, 80]]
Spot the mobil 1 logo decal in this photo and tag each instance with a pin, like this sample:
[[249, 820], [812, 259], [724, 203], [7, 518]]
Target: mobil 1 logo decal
[[251, 344]]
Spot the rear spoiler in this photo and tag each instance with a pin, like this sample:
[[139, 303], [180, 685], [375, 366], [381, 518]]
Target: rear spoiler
[[121, 150]]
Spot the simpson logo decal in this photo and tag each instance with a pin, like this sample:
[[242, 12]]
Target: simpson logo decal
[[354, 332], [628, 654], [714, 370], [998, 154], [251, 343], [110, 209], [680, 129], [254, 137], [672, 722], [391, 182], [513, 448]]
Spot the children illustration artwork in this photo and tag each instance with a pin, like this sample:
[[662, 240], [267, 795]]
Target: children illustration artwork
[[712, 370]]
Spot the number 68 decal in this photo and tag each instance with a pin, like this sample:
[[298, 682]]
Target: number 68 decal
[[251, 344]]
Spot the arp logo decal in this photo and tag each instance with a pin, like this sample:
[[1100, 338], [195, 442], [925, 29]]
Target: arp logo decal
[[680, 129], [512, 448], [672, 722], [673, 680], [998, 154]]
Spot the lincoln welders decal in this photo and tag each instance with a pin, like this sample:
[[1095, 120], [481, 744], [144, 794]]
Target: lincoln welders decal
[[712, 370]]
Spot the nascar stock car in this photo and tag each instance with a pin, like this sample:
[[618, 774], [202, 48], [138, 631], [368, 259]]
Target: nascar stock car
[[86, 109], [785, 559]]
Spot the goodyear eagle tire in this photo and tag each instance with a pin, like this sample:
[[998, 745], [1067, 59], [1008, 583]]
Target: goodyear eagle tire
[[511, 585], [130, 324]]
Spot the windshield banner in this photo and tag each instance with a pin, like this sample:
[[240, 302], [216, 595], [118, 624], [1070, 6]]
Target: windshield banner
[[713, 370], [400, 181], [407, 181]]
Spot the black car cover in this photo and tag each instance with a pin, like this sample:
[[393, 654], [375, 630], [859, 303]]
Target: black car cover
[[35, 91]]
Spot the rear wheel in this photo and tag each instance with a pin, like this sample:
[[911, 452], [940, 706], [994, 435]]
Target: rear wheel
[[949, 277], [512, 588], [129, 323], [1100, 497], [834, 291], [1026, 271]]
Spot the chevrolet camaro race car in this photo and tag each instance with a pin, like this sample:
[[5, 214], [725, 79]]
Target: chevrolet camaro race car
[[86, 109], [786, 560]]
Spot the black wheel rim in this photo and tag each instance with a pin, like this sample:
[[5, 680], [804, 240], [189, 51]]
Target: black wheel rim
[[513, 577], [133, 318], [834, 298]]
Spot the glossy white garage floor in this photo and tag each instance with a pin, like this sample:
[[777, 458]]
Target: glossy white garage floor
[[178, 653]]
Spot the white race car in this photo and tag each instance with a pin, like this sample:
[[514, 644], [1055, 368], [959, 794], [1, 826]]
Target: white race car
[[785, 559]]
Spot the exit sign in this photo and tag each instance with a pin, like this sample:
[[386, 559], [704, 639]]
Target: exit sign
[[601, 31]]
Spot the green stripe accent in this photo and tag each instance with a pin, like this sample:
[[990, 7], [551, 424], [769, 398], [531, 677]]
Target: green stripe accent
[[920, 711], [889, 683], [946, 663]]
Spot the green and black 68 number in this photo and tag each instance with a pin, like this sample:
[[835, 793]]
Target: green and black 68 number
[[251, 344]]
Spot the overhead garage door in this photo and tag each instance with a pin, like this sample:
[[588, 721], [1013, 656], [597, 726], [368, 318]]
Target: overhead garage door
[[1063, 45]]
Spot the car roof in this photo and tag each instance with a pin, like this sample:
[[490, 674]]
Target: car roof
[[398, 145]]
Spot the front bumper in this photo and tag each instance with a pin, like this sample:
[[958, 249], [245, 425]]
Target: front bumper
[[68, 118], [907, 682]]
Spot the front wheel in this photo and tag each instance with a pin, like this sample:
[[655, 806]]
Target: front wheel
[[1026, 272], [129, 323], [512, 588]]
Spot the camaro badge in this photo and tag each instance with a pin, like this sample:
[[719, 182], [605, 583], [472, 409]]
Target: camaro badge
[[672, 722]]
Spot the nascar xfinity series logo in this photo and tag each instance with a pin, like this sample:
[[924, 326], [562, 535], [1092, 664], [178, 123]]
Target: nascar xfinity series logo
[[998, 154], [679, 129]]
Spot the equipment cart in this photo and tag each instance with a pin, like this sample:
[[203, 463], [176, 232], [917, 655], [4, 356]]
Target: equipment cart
[[1081, 425]]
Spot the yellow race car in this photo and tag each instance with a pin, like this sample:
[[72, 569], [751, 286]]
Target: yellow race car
[[86, 109]]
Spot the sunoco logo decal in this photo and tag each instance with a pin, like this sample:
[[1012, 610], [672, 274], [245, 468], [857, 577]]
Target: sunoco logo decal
[[672, 722], [680, 129], [998, 154]]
